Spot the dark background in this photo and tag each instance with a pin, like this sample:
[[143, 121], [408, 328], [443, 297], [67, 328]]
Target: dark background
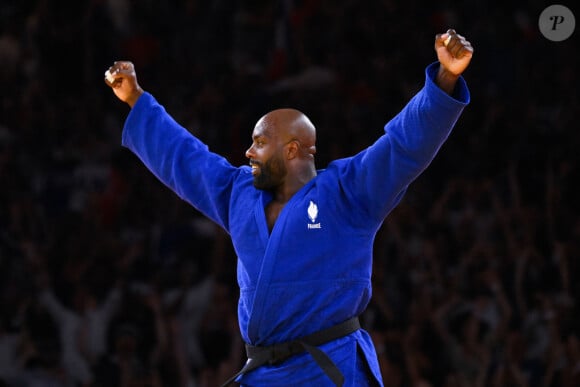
[[475, 272]]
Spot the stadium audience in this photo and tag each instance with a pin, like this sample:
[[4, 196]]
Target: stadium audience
[[108, 279]]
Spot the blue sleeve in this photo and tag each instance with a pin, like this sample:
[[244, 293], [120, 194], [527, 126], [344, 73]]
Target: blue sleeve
[[180, 160], [375, 180]]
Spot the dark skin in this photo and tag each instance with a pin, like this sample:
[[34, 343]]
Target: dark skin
[[283, 141]]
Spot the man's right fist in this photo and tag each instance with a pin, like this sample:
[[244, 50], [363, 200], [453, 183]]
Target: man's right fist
[[121, 77]]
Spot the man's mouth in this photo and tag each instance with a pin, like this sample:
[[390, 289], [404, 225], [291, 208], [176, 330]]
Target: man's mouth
[[255, 167]]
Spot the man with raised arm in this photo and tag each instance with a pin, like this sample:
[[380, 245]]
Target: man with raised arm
[[303, 236]]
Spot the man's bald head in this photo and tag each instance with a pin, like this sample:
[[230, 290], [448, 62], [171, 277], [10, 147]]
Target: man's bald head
[[290, 125]]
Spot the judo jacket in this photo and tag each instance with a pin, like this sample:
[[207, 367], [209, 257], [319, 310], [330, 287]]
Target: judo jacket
[[313, 270]]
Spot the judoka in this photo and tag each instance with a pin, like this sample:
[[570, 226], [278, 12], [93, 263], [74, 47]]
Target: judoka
[[303, 236]]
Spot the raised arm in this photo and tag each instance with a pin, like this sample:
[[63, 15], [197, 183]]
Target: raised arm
[[382, 172], [174, 155]]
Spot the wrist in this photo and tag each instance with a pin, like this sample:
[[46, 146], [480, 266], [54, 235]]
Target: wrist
[[446, 80], [134, 97]]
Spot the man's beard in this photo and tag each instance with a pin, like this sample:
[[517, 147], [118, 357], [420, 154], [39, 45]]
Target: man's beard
[[271, 175]]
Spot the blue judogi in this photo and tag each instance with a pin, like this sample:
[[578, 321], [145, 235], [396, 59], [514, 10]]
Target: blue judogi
[[313, 270]]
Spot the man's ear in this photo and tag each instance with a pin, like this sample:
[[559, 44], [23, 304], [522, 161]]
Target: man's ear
[[292, 149]]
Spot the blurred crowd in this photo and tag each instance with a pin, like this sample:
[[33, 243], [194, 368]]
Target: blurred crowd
[[108, 279]]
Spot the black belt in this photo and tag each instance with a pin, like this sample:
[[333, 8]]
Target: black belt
[[277, 353]]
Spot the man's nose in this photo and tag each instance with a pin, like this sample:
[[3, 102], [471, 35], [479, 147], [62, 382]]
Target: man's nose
[[250, 152]]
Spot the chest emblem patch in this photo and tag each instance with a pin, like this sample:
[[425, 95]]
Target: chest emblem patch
[[312, 215]]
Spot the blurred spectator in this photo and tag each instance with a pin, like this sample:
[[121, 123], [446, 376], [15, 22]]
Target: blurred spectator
[[83, 327]]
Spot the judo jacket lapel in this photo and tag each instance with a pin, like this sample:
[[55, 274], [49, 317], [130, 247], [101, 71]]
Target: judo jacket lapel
[[272, 241]]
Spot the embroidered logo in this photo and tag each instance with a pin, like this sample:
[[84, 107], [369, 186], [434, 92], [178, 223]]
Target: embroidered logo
[[312, 215]]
